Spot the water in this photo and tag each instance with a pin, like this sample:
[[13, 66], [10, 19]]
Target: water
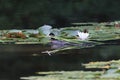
[[24, 60]]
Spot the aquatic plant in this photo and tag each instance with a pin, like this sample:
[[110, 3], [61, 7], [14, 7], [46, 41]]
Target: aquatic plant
[[45, 29], [83, 35], [67, 34]]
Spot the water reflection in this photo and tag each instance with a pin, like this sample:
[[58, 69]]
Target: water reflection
[[18, 60]]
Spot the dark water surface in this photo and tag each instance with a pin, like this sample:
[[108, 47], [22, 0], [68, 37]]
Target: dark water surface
[[24, 60]]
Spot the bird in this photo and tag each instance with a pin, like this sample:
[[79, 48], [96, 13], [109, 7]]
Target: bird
[[83, 35], [51, 35], [55, 43], [59, 42]]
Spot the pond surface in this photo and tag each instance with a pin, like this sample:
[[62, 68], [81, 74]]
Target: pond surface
[[24, 60]]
